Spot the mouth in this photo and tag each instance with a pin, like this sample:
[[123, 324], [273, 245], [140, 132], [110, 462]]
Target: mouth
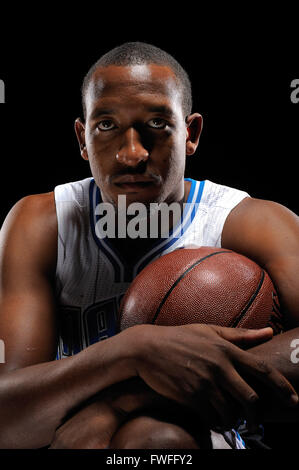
[[134, 183]]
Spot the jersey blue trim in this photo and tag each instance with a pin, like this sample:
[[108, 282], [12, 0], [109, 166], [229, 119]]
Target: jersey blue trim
[[175, 235], [125, 272], [195, 206], [93, 219], [239, 441]]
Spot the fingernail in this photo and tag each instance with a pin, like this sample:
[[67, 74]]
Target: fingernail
[[294, 399]]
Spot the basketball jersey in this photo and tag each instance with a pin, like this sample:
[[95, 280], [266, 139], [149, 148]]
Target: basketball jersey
[[92, 277]]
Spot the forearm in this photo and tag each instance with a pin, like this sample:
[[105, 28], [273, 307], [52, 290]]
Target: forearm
[[34, 400], [278, 353]]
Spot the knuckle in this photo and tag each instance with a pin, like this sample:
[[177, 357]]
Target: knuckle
[[223, 347], [263, 367]]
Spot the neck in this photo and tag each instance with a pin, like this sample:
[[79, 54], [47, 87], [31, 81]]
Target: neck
[[140, 231]]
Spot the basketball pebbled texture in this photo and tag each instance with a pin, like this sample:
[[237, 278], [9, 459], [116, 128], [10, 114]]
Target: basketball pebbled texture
[[202, 285]]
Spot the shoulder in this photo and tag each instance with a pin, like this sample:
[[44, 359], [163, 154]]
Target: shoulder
[[31, 228], [262, 228], [255, 213], [37, 212]]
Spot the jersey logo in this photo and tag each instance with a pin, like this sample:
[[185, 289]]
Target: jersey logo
[[79, 329]]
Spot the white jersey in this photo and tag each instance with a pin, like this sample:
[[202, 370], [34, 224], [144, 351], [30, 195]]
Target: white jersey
[[91, 277]]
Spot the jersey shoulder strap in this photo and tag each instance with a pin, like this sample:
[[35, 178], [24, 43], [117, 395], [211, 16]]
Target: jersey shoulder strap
[[218, 201]]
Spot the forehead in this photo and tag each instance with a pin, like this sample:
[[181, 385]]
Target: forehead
[[130, 85]]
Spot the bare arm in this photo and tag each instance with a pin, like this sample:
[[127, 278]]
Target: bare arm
[[269, 234], [277, 352], [36, 391]]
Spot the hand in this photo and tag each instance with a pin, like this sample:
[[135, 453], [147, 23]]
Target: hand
[[201, 366]]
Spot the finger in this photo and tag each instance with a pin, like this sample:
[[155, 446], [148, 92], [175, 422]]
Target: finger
[[273, 380], [243, 337], [215, 408], [244, 394], [267, 375], [227, 408]]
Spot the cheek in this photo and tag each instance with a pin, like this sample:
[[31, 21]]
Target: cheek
[[174, 157], [98, 167], [99, 152], [101, 157], [176, 169], [97, 146]]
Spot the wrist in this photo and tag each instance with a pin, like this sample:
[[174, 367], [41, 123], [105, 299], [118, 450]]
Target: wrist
[[139, 340]]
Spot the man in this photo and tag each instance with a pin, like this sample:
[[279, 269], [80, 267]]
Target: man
[[61, 284]]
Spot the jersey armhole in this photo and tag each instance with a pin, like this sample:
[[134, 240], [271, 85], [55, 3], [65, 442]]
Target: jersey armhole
[[226, 213]]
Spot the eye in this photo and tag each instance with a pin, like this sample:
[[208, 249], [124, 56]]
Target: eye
[[157, 123], [106, 125]]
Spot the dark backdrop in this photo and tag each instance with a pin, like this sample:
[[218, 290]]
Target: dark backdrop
[[241, 65], [241, 75]]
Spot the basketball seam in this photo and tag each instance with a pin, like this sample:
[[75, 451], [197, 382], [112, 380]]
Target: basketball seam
[[178, 280], [250, 302]]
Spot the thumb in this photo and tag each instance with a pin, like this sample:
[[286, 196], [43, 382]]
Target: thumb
[[245, 337]]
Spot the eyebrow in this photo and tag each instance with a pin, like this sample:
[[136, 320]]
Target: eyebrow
[[161, 109], [100, 112]]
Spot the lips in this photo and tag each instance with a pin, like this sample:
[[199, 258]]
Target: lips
[[133, 179], [134, 183]]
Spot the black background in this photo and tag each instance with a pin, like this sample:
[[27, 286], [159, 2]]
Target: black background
[[241, 63]]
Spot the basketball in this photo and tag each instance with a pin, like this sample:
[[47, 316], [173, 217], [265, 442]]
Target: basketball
[[202, 285]]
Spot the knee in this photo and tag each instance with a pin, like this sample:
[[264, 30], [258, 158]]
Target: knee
[[145, 432]]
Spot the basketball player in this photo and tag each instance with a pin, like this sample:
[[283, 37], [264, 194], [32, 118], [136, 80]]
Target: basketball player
[[148, 386]]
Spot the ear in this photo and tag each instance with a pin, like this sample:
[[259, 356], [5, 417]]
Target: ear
[[80, 133], [193, 131]]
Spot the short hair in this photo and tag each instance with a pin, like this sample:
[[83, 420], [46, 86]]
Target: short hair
[[140, 53]]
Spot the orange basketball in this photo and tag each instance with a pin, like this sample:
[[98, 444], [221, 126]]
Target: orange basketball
[[202, 285]]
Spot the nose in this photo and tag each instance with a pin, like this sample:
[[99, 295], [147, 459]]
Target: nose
[[131, 152]]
